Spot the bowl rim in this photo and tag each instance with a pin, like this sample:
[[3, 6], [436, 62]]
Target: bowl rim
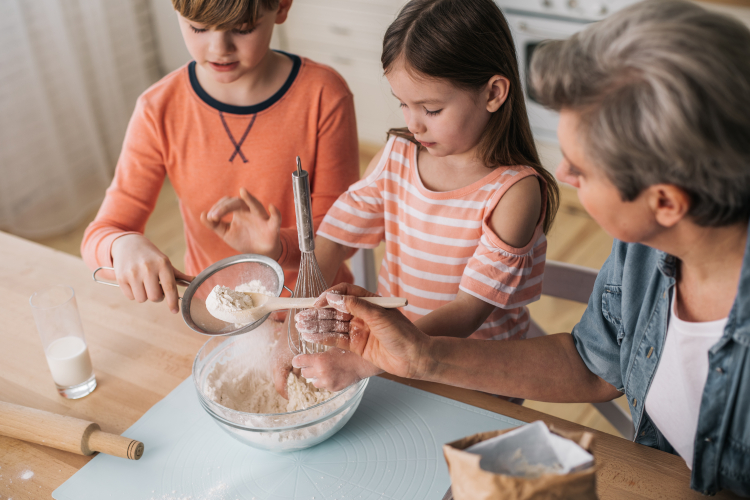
[[355, 398], [206, 402]]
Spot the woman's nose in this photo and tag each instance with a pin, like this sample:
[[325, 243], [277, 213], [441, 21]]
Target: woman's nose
[[563, 174]]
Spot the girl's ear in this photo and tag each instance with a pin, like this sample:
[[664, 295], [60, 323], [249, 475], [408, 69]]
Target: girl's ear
[[497, 92]]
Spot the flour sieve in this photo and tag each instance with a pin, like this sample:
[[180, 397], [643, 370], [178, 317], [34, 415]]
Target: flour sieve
[[228, 272]]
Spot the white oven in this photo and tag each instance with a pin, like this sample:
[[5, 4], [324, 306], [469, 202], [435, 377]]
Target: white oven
[[528, 33], [533, 21]]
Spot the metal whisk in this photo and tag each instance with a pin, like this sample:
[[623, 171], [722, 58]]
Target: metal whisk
[[310, 281]]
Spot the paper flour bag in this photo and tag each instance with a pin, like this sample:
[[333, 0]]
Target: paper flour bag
[[528, 462]]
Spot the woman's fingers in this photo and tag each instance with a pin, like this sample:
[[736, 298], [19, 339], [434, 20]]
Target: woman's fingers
[[331, 339], [342, 289]]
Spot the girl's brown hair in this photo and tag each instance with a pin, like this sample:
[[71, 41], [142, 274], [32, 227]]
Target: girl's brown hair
[[223, 14], [467, 43]]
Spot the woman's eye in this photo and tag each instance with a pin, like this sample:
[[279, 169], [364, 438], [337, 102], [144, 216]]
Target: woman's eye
[[432, 113], [198, 30], [401, 105]]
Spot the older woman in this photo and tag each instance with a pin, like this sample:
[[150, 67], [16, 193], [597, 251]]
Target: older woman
[[655, 130]]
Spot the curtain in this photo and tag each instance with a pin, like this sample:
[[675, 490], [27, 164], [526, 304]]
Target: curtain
[[70, 72]]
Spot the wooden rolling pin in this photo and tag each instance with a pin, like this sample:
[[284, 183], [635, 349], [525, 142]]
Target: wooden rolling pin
[[64, 433]]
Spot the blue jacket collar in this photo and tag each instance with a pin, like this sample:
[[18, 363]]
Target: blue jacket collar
[[739, 316]]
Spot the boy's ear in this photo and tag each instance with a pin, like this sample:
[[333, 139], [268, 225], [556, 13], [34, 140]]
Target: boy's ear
[[669, 203], [283, 11], [497, 88]]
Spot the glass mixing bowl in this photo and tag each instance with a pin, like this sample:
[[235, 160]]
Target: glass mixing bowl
[[277, 432]]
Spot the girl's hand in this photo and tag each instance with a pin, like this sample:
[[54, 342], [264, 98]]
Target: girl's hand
[[383, 337], [335, 369], [143, 272], [252, 229], [281, 365]]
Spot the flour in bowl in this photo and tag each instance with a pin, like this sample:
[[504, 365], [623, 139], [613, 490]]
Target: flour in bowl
[[241, 381], [246, 385]]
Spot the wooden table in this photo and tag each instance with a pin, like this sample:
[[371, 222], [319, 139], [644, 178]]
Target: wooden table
[[141, 352]]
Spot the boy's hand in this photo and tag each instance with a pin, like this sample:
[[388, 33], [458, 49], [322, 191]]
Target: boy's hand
[[252, 228], [143, 272]]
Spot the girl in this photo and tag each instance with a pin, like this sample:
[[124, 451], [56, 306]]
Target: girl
[[459, 196]]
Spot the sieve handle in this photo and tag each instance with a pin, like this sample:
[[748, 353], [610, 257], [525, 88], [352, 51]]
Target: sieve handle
[[179, 281]]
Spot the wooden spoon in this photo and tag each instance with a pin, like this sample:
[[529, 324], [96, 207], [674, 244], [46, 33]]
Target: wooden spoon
[[264, 304]]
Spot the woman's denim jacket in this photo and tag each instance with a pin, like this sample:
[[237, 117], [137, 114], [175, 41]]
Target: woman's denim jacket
[[621, 339]]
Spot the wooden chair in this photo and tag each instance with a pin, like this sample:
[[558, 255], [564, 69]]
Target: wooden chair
[[564, 281], [571, 282]]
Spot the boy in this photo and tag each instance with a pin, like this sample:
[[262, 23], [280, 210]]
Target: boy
[[234, 117]]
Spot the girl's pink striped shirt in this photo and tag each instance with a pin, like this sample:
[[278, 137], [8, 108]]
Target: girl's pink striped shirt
[[439, 242]]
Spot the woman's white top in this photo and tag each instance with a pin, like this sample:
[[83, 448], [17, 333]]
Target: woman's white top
[[674, 400]]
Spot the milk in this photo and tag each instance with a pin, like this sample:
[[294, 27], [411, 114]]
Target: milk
[[69, 361]]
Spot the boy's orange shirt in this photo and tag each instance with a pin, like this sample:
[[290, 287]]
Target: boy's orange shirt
[[210, 149]]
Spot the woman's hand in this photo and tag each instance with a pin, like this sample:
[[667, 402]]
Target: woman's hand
[[335, 369], [252, 229], [145, 273], [383, 337]]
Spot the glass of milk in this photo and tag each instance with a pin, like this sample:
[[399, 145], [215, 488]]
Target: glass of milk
[[59, 324]]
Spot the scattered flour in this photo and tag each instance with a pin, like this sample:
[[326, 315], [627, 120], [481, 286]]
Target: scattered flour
[[27, 474]]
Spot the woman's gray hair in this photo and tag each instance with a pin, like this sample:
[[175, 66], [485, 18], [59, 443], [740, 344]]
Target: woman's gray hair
[[663, 92]]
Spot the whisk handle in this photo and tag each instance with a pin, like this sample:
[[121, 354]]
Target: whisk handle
[[303, 208]]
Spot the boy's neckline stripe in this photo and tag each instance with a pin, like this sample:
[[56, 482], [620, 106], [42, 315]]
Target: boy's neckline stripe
[[245, 110]]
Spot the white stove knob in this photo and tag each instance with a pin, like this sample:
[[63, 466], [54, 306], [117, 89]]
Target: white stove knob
[[572, 4]]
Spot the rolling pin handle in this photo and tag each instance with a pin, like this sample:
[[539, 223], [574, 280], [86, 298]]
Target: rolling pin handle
[[112, 444]]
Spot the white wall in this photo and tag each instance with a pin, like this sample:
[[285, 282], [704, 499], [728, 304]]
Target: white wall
[[172, 51]]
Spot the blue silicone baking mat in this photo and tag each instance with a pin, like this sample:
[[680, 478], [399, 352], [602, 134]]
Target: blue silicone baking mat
[[390, 449]]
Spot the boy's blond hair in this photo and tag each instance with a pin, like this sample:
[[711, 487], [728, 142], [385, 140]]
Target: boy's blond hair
[[224, 14]]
